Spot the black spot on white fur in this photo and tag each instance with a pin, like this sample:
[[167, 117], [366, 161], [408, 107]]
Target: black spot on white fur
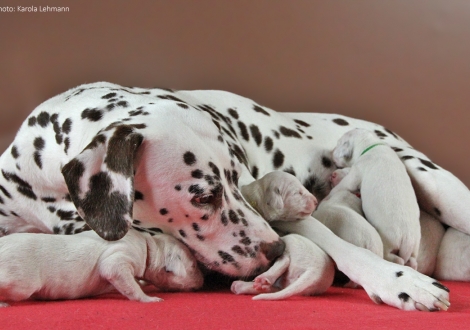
[[287, 132], [22, 186], [428, 163], [189, 158], [302, 123], [278, 159], [268, 144], [259, 109], [404, 296], [340, 122]]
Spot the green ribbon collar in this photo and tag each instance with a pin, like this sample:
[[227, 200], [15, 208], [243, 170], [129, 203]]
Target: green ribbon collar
[[372, 146]]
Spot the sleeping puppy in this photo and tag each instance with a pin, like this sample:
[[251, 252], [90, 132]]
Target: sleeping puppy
[[43, 266], [280, 196], [303, 269], [388, 199], [341, 211]]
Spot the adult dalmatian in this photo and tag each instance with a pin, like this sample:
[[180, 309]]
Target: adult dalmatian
[[108, 157]]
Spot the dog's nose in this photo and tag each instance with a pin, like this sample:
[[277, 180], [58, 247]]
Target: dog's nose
[[273, 250]]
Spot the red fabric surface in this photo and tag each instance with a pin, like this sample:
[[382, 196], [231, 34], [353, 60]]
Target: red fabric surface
[[338, 308]]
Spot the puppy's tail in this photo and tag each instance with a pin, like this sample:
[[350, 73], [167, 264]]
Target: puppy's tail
[[298, 287]]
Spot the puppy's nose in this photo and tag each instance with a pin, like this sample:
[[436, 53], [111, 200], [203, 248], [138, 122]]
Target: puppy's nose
[[273, 250]]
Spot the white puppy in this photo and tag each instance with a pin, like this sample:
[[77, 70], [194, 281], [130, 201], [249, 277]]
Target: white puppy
[[388, 199], [341, 211], [432, 232], [280, 196], [44, 266], [453, 259], [303, 269]]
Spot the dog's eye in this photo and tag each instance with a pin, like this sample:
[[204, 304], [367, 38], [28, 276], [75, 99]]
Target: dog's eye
[[203, 200]]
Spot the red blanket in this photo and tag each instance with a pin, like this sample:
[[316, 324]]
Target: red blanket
[[338, 308]]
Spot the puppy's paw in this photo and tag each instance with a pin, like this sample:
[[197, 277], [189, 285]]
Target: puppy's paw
[[262, 284], [148, 299]]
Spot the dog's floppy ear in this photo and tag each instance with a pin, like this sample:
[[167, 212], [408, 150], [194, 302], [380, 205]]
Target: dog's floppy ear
[[100, 180], [343, 153]]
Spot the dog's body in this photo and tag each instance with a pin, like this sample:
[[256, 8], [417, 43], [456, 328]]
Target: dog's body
[[46, 266], [341, 212], [388, 199], [106, 156], [303, 269]]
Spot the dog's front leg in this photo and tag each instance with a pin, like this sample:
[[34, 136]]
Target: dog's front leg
[[393, 284], [122, 278]]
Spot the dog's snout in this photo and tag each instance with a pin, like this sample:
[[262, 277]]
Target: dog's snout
[[273, 250]]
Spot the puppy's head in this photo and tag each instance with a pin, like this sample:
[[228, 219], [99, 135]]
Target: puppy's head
[[350, 146], [172, 267]]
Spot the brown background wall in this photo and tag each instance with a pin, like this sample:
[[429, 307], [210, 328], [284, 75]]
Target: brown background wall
[[404, 64]]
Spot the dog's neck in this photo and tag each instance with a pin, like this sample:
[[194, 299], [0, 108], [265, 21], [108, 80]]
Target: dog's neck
[[371, 147]]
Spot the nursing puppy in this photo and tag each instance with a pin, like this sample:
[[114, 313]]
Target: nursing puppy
[[341, 212], [43, 266], [388, 199], [303, 269]]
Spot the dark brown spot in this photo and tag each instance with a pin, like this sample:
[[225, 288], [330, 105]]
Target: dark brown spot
[[189, 158], [289, 132], [340, 122]]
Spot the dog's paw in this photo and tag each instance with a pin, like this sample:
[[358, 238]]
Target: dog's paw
[[407, 289], [262, 284], [242, 287], [148, 299]]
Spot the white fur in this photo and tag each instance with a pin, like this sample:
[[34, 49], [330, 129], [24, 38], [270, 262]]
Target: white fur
[[341, 212], [432, 233], [46, 266], [204, 123], [388, 199], [280, 196], [453, 260], [303, 269]]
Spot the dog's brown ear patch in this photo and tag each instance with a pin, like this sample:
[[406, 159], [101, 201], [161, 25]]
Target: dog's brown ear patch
[[101, 181]]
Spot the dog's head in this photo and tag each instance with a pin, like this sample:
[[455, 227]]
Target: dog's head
[[184, 179], [350, 146]]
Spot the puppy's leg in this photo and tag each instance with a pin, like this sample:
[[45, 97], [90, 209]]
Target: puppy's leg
[[298, 287], [265, 281], [453, 259], [432, 232], [383, 281], [242, 287], [121, 276]]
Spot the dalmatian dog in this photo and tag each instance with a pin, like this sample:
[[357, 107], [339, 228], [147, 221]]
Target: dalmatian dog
[[46, 266], [303, 269], [106, 157], [388, 198], [341, 212]]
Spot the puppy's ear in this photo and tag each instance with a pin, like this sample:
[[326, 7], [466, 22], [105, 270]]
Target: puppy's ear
[[100, 180], [343, 153]]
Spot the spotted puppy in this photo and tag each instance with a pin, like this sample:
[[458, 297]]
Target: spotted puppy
[[280, 196], [341, 212], [43, 266], [303, 269], [388, 199]]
